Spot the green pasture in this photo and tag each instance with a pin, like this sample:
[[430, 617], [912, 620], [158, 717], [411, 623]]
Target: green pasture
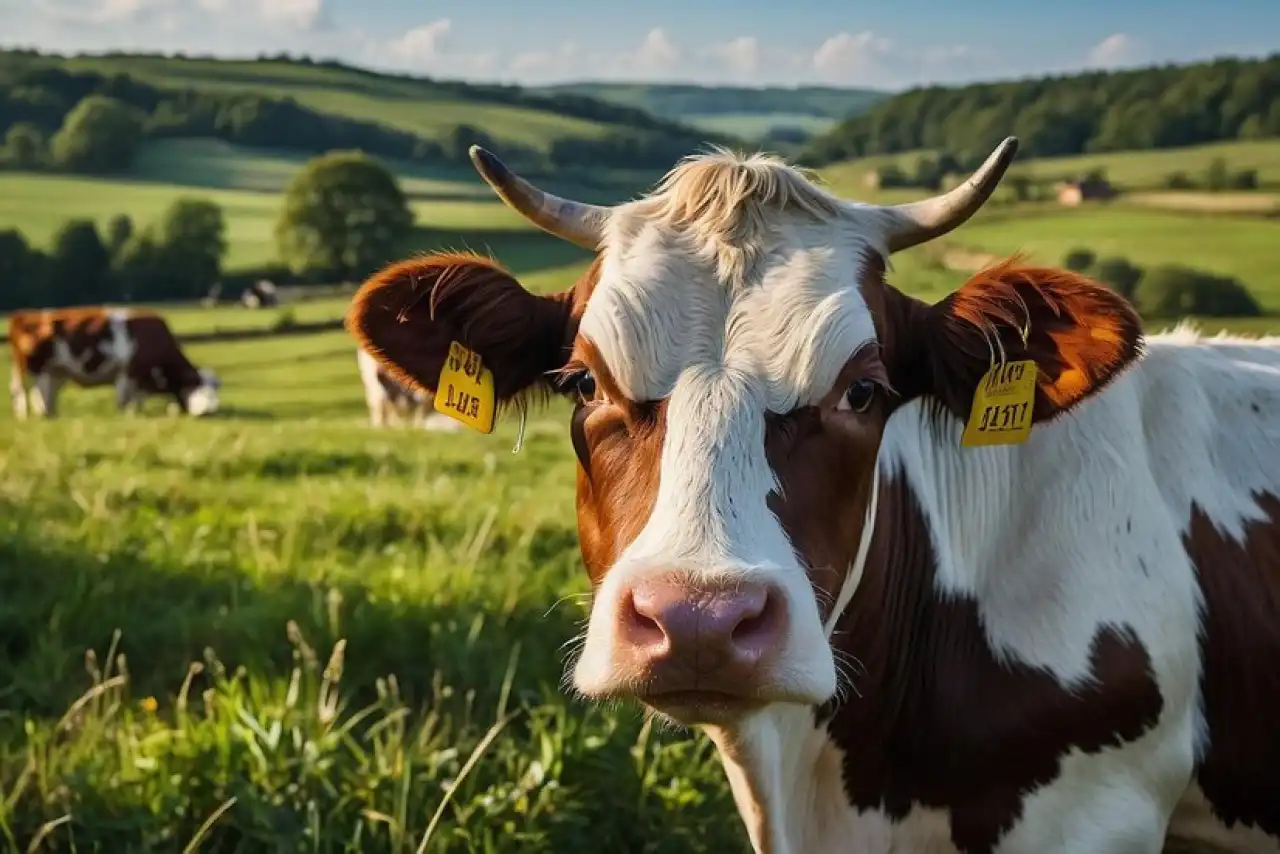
[[1244, 247], [279, 630]]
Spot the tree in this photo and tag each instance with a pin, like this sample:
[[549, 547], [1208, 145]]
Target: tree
[[79, 266], [20, 268], [99, 135], [24, 147], [119, 230], [344, 214], [139, 267], [1079, 259], [193, 240], [1217, 176], [1122, 276]]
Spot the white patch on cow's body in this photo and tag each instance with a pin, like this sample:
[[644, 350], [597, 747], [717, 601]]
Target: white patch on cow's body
[[18, 392], [723, 354], [1107, 491], [413, 405], [787, 779]]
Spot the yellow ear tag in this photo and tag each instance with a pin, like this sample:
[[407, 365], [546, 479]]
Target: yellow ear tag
[[1002, 406], [465, 390]]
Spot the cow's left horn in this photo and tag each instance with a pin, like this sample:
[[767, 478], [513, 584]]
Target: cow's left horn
[[916, 222], [576, 222]]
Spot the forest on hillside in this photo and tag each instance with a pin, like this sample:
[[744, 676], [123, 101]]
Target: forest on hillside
[[675, 100], [1157, 107], [59, 119]]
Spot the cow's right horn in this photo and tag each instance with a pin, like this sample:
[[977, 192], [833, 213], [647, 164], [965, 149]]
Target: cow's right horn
[[915, 222], [577, 222]]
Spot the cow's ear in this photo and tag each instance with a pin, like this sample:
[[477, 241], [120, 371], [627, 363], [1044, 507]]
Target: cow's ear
[[407, 314], [1079, 333]]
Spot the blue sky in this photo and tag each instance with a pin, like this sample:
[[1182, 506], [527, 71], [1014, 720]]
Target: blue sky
[[890, 44]]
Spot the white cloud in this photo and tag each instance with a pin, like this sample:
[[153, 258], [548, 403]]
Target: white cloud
[[299, 14], [421, 46], [852, 57], [1115, 49], [657, 53], [741, 55]]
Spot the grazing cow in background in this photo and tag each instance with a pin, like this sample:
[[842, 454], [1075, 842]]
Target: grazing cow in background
[[133, 350], [993, 574], [385, 396]]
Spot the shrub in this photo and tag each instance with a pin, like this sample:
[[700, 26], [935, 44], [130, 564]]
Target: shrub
[[1171, 291], [1079, 259], [1117, 272]]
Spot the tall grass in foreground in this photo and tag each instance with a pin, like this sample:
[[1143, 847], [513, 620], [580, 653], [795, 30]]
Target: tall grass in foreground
[[288, 636]]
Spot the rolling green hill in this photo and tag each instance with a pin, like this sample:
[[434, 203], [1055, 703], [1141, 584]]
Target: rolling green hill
[[749, 112], [419, 105], [302, 107]]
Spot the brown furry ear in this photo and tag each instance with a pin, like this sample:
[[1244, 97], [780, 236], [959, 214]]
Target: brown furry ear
[[1080, 334], [407, 314]]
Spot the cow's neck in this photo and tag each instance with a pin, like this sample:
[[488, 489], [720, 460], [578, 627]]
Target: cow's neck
[[788, 771]]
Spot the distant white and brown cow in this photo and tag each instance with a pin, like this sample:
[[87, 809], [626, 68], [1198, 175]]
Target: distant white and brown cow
[[897, 641], [133, 350], [387, 398]]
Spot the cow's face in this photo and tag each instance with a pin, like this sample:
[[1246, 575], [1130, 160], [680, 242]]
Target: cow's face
[[733, 362], [202, 399]]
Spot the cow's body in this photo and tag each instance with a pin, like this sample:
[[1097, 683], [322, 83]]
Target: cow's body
[[387, 399], [897, 642], [134, 351]]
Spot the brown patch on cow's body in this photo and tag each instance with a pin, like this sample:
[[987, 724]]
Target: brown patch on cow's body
[[933, 707], [83, 330], [156, 364], [1240, 684]]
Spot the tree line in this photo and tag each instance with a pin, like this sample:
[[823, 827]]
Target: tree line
[[1158, 107], [57, 119], [342, 216]]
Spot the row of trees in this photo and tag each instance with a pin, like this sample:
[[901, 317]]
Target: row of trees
[[1167, 291], [105, 117], [342, 216], [177, 257], [1158, 107]]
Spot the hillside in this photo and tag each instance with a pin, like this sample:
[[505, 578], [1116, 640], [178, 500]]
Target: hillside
[[1094, 112], [774, 112], [303, 106]]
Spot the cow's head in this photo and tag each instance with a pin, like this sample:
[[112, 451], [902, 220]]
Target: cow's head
[[734, 355], [201, 398]]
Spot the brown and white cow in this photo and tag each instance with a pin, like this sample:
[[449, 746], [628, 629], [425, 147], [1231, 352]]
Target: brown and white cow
[[897, 642], [387, 397], [131, 349]]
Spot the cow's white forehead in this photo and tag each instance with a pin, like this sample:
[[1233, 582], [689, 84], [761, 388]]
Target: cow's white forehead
[[661, 306]]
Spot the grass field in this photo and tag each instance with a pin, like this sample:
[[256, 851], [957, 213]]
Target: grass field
[[445, 570], [277, 629]]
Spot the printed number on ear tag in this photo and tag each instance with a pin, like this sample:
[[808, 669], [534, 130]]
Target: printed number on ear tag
[[1002, 406], [465, 391]]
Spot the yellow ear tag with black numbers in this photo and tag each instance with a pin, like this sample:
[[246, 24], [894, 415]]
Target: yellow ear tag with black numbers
[[1002, 406], [465, 391]]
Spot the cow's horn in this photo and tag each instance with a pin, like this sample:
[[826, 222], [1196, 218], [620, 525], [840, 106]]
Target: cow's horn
[[576, 222], [917, 222]]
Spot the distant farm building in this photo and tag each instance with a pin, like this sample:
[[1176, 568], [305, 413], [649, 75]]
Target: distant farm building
[[1085, 190]]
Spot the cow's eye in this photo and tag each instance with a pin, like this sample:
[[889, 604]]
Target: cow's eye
[[585, 384], [859, 396]]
